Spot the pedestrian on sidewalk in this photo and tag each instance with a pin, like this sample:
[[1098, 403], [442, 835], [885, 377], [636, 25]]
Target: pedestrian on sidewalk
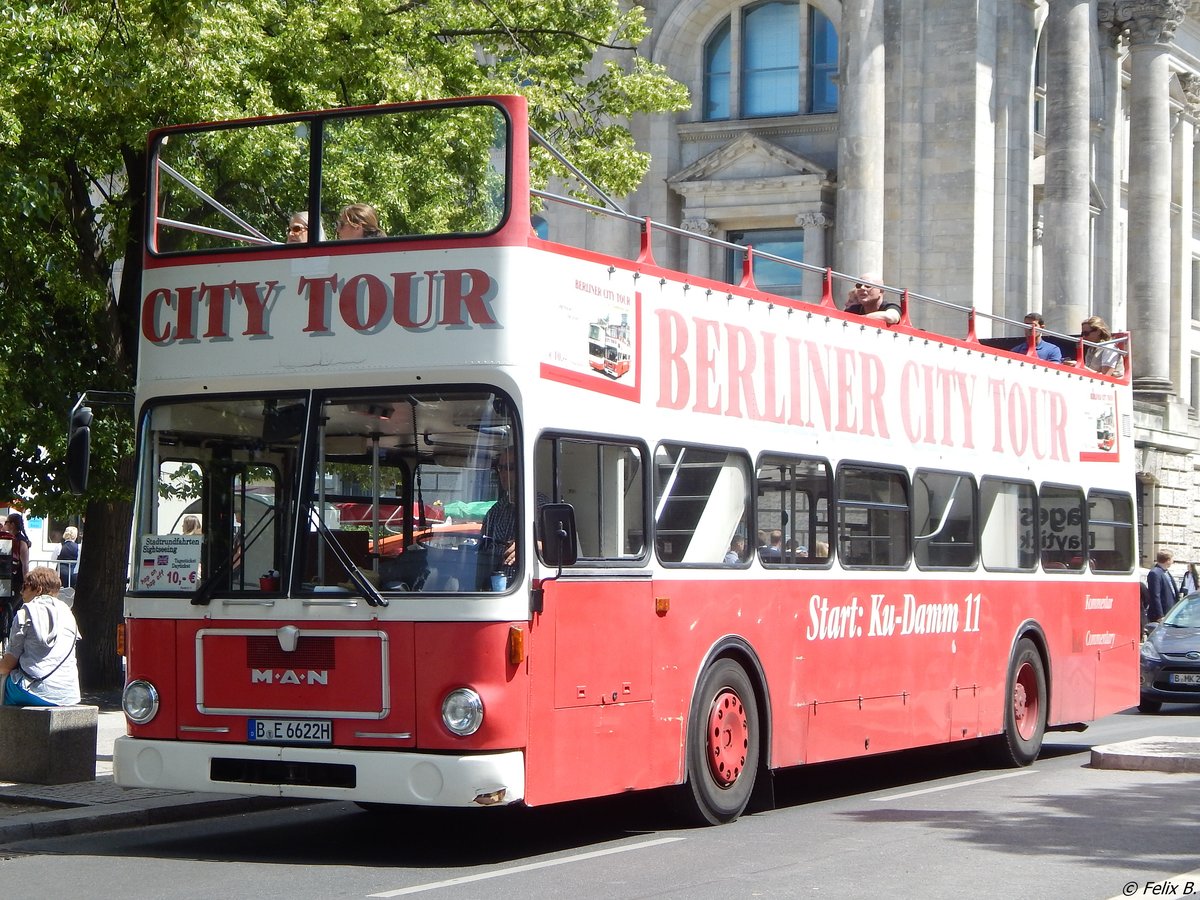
[[14, 530], [1163, 590], [68, 553], [39, 659]]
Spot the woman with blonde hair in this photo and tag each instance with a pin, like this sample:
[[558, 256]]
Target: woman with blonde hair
[[358, 220], [39, 658], [1103, 359]]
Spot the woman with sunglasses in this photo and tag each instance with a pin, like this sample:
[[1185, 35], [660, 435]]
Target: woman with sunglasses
[[1103, 359], [297, 232]]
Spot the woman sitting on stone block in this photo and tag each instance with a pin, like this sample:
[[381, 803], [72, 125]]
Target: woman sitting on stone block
[[39, 658]]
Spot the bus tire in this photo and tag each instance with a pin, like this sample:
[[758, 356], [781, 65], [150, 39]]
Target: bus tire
[[1026, 707], [723, 742]]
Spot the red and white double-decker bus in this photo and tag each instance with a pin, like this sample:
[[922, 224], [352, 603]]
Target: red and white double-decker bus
[[783, 535]]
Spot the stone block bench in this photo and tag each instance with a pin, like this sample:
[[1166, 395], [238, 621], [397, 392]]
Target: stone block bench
[[48, 744]]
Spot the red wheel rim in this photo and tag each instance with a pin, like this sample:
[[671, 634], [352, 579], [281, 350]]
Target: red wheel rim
[[728, 738], [1025, 701]]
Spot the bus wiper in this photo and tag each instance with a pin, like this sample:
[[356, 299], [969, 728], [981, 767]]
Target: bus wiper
[[357, 578], [208, 585]]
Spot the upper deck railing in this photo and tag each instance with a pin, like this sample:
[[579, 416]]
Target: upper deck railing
[[230, 186], [1073, 346]]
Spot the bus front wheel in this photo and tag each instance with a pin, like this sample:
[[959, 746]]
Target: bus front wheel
[[722, 744], [1026, 707]]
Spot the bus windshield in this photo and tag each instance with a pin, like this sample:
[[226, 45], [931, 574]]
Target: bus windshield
[[424, 171], [398, 489]]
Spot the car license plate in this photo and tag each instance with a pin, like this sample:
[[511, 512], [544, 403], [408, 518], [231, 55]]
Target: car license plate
[[290, 731], [1185, 678]]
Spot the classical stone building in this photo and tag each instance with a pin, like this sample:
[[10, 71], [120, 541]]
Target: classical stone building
[[1023, 155]]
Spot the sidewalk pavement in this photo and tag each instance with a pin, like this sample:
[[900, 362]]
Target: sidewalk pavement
[[30, 811]]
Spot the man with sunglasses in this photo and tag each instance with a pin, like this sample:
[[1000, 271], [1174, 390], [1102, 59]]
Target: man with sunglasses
[[867, 300]]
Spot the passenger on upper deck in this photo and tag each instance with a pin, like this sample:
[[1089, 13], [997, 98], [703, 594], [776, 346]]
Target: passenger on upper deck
[[869, 302], [297, 232], [1045, 349], [358, 220], [1105, 360]]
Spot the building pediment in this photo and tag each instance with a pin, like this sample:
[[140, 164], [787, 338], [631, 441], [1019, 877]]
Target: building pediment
[[749, 158]]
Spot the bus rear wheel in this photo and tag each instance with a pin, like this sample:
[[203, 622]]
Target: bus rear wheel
[[722, 745], [1026, 707]]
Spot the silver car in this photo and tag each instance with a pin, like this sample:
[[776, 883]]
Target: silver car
[[1170, 657]]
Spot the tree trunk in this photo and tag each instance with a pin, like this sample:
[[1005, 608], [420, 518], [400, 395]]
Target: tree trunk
[[100, 590]]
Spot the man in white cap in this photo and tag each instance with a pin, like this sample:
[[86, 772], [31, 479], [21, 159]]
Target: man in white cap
[[868, 301]]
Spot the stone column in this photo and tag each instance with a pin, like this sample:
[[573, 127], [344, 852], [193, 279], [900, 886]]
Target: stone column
[[1108, 274], [1151, 25], [1066, 247], [861, 106], [815, 224], [1035, 266], [699, 253], [1183, 191]]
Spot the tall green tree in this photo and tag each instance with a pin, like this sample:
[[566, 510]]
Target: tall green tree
[[83, 81]]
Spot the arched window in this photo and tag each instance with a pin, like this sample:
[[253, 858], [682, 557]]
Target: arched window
[[773, 58], [822, 63], [717, 71]]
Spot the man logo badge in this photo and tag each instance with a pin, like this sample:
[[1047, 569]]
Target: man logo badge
[[289, 676]]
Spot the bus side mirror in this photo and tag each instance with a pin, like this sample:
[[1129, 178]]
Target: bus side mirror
[[556, 530], [79, 448]]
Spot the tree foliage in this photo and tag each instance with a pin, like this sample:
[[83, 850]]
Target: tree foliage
[[83, 81]]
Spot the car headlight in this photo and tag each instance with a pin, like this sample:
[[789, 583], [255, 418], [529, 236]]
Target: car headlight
[[1149, 653], [462, 711], [140, 702]]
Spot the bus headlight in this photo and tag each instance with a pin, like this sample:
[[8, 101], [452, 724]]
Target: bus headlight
[[140, 702], [462, 711]]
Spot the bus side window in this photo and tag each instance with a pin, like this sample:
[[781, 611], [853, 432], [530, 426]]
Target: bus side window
[[1062, 534], [1008, 519], [604, 480], [793, 503], [944, 520], [872, 518], [1110, 531], [701, 498]]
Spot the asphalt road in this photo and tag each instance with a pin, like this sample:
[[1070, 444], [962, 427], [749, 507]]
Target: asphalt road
[[936, 824]]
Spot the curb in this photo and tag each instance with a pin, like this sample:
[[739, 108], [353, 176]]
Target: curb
[[1151, 754], [60, 822]]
